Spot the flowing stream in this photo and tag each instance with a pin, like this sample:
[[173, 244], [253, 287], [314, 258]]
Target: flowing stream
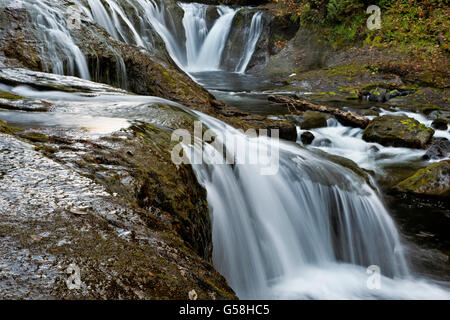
[[310, 228], [309, 231]]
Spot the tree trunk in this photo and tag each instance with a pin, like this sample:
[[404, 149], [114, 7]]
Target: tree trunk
[[344, 117]]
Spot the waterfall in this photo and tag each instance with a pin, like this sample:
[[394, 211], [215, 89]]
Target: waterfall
[[209, 44], [309, 231], [194, 47], [252, 39], [194, 22], [52, 23]]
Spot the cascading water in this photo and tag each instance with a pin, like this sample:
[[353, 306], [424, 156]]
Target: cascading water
[[308, 231], [251, 40], [194, 47], [62, 55], [202, 48], [210, 43]]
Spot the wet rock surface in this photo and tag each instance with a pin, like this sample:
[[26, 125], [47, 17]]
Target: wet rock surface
[[440, 148], [104, 196], [239, 35], [440, 124], [307, 138]]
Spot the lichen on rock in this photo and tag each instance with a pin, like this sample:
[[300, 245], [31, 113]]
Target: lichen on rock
[[433, 180], [398, 131]]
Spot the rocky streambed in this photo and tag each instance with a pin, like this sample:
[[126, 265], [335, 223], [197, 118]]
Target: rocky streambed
[[92, 184]]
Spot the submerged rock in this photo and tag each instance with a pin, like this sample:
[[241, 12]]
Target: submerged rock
[[440, 148], [398, 131], [433, 180]]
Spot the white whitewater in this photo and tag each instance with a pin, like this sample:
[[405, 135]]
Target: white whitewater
[[209, 43], [203, 47], [61, 53], [308, 232], [196, 29], [193, 47], [252, 38]]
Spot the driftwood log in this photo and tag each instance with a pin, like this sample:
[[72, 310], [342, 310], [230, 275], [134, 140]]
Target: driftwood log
[[345, 117]]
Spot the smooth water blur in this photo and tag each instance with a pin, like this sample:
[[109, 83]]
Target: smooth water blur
[[307, 232], [252, 37], [347, 142], [61, 54], [192, 45], [101, 110], [209, 44]]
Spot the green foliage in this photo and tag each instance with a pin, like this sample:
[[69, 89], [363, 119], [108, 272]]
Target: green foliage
[[337, 10], [406, 24]]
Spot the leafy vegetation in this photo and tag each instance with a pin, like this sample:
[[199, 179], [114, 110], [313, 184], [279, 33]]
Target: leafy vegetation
[[405, 23]]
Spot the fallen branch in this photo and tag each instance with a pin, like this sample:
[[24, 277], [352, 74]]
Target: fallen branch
[[345, 117]]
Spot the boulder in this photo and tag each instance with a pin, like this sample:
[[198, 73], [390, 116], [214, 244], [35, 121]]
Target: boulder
[[312, 120], [383, 95], [440, 148], [440, 124], [433, 180], [378, 95], [307, 138], [398, 131]]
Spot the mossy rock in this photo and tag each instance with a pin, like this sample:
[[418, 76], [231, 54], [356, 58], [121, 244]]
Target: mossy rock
[[4, 128], [398, 131], [312, 120], [35, 137], [433, 180], [10, 96], [349, 164], [428, 108]]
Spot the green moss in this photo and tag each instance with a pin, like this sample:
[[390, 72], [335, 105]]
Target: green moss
[[432, 180], [428, 108], [46, 149], [351, 70], [35, 137], [10, 96], [169, 78], [4, 128]]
